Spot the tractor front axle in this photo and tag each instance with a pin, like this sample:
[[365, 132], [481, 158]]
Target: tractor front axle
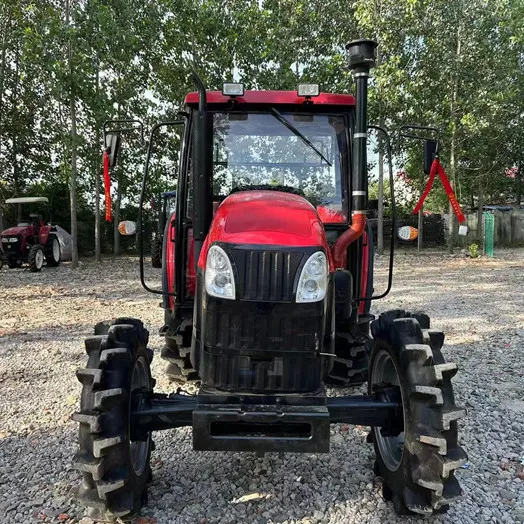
[[263, 423]]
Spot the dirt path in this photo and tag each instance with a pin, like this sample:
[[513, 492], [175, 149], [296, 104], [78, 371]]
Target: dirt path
[[45, 317]]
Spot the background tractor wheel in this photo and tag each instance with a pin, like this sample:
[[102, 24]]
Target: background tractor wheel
[[36, 258], [52, 251], [115, 470], [156, 252], [418, 464], [177, 353]]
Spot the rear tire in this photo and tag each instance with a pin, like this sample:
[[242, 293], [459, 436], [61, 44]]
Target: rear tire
[[418, 465], [115, 470], [36, 258], [156, 252], [350, 367], [177, 353], [52, 251]]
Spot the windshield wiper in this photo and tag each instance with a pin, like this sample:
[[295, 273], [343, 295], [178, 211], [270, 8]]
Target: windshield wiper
[[280, 117]]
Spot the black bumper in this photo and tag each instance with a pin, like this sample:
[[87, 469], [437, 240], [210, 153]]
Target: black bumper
[[262, 428]]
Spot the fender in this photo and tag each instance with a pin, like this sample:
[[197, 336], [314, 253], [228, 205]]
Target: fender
[[44, 234], [168, 262], [265, 217]]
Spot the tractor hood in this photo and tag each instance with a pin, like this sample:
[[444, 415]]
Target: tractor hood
[[17, 230], [261, 217]]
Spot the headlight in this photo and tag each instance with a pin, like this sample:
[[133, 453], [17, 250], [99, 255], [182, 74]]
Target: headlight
[[13, 239], [312, 284], [5, 240], [219, 277]]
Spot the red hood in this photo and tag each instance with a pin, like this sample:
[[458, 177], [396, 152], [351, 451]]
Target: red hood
[[17, 230], [266, 218]]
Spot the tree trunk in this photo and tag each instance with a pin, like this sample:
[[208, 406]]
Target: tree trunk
[[2, 71], [116, 218], [380, 209], [96, 171], [380, 217], [98, 251], [519, 178], [72, 178], [480, 205], [453, 115]]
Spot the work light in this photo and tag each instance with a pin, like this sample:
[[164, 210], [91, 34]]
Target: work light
[[233, 89], [308, 90]]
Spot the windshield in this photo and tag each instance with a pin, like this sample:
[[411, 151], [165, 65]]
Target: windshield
[[258, 150]]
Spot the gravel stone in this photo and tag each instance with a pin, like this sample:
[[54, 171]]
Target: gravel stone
[[45, 317]]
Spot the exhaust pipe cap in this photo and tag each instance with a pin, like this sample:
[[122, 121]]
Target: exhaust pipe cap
[[361, 54]]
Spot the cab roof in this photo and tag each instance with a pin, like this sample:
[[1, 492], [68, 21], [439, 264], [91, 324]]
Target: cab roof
[[273, 98]]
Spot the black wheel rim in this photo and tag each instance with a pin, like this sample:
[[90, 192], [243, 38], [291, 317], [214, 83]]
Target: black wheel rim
[[391, 448], [138, 450]]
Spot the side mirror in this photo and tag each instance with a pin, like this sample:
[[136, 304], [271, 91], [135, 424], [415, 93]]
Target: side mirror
[[430, 150], [112, 147]]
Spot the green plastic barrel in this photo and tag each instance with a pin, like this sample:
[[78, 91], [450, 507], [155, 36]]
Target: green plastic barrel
[[489, 232]]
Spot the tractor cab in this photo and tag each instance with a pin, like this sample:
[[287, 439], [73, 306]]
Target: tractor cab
[[277, 179]]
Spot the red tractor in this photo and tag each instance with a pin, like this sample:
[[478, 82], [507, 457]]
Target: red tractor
[[31, 241], [267, 281]]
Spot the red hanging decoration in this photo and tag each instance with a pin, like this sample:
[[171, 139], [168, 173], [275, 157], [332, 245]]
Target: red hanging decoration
[[437, 168], [107, 187]]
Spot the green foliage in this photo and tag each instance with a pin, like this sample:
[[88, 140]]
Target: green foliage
[[473, 250], [454, 64]]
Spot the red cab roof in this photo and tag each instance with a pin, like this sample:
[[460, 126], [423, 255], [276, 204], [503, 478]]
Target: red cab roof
[[273, 98]]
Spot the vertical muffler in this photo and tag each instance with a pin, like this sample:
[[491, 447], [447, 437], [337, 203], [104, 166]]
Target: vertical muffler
[[361, 58]]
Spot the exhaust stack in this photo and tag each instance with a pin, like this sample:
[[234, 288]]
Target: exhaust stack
[[361, 58]]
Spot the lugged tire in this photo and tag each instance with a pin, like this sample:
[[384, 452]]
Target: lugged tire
[[156, 252], [49, 253], [350, 367], [34, 260], [424, 482], [111, 488], [177, 353]]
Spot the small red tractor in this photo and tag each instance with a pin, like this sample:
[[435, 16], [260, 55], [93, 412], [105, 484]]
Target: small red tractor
[[31, 241], [267, 280]]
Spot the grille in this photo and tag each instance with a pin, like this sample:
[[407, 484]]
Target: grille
[[272, 331], [266, 275], [11, 246]]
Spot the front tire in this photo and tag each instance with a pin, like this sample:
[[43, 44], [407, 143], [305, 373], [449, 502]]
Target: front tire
[[36, 258], [418, 465], [52, 252], [115, 470], [13, 263]]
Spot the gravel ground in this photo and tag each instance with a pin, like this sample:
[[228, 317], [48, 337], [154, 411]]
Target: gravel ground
[[45, 317]]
